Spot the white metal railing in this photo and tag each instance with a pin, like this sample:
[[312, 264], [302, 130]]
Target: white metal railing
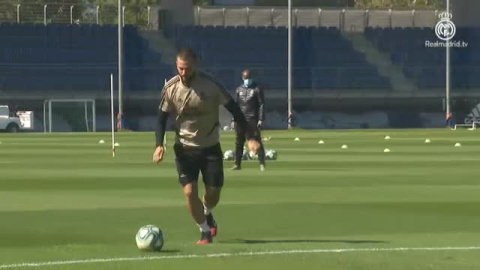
[[72, 14], [345, 19]]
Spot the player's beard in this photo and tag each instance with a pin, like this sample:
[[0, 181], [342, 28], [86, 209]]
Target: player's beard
[[186, 80]]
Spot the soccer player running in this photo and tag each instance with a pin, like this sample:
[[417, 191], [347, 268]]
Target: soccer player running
[[194, 98], [250, 97]]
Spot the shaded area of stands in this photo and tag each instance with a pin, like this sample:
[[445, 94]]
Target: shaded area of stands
[[323, 58], [426, 65], [62, 57]]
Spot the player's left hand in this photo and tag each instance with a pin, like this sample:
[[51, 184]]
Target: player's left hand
[[253, 146], [260, 124], [158, 154]]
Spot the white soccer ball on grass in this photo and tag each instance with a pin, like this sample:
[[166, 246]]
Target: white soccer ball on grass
[[149, 238], [228, 155], [252, 155], [271, 154], [245, 155]]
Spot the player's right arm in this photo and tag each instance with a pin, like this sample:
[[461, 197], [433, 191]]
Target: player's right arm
[[261, 107], [159, 135], [243, 126], [161, 127], [239, 118], [237, 98]]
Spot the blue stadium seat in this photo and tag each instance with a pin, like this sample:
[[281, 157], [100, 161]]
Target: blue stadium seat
[[62, 57], [265, 49], [425, 65]]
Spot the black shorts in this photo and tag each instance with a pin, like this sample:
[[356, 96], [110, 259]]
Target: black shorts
[[191, 161]]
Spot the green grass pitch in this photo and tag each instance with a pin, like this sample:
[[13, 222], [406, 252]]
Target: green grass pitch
[[64, 201]]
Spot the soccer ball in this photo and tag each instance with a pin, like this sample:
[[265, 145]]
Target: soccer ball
[[252, 155], [228, 155], [271, 154], [149, 238], [245, 155]]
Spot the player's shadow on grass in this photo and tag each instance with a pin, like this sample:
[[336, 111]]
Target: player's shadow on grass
[[252, 241]]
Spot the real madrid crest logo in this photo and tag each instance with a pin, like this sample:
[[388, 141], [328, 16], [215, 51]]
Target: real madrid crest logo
[[445, 28]]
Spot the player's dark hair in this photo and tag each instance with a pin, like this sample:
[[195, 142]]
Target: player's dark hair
[[187, 54]]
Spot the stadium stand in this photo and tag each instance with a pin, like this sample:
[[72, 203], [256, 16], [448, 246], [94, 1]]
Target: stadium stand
[[63, 57], [80, 57], [324, 59], [424, 65]]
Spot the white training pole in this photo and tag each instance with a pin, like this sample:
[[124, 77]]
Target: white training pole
[[94, 115], [112, 114], [447, 70], [120, 60], [44, 116], [50, 116], [289, 77], [85, 107], [165, 136]]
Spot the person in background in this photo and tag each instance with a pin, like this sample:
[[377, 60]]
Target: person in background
[[251, 99]]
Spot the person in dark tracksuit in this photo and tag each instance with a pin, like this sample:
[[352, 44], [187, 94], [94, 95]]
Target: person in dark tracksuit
[[251, 99]]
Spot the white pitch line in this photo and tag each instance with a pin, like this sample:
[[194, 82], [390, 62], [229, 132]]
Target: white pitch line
[[217, 255]]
